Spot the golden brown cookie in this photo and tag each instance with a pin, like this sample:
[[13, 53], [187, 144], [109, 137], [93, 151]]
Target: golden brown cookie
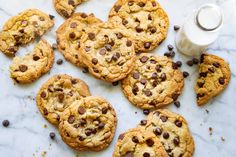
[[214, 77], [108, 53], [88, 124], [139, 143], [70, 33], [172, 130], [30, 67], [57, 94], [154, 82], [145, 21], [66, 7], [23, 29]]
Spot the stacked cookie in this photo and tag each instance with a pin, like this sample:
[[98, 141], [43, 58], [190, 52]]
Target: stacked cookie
[[85, 122], [21, 30]]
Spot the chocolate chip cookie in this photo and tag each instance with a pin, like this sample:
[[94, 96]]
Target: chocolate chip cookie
[[108, 53], [66, 7], [172, 130], [30, 67], [23, 29], [88, 124], [139, 143], [154, 82], [57, 94], [70, 33], [214, 77], [145, 21]]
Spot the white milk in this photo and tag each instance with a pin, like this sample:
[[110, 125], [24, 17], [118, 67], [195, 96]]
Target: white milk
[[200, 30]]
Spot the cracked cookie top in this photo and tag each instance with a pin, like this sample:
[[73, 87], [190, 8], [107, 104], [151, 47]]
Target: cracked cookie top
[[30, 67], [88, 124], [214, 77], [172, 130], [139, 143], [108, 53], [57, 94], [154, 82], [23, 29], [145, 21]]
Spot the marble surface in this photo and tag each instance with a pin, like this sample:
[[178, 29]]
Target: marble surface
[[27, 135]]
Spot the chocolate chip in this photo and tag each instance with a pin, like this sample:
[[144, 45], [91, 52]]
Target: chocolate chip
[[51, 17], [74, 81], [91, 36], [73, 25], [158, 68], [157, 131], [115, 83], [172, 54], [129, 43], [104, 110], [59, 62], [45, 111], [154, 75], [117, 8], [143, 122], [146, 154], [135, 75], [61, 97], [211, 69], [153, 61], [153, 30], [130, 3], [170, 47], [72, 35], [200, 84], [124, 22], [81, 138], [87, 48], [83, 122], [41, 18], [163, 118], [216, 64], [95, 61], [141, 4], [102, 51], [54, 46], [221, 80], [135, 139], [35, 57], [6, 123], [166, 135], [81, 110], [135, 89], [149, 17], [190, 63], [185, 74], [88, 132], [154, 4], [71, 119], [101, 125], [195, 61], [179, 63], [121, 137], [119, 35], [143, 81], [155, 83], [52, 135], [203, 74], [176, 141], [147, 45], [138, 29], [199, 95], [150, 142], [144, 59], [178, 123], [23, 68], [174, 66], [108, 47], [148, 93], [43, 94], [177, 104], [176, 27], [146, 111], [129, 154], [175, 96], [167, 54], [71, 2], [163, 76], [202, 58], [83, 15], [21, 30]]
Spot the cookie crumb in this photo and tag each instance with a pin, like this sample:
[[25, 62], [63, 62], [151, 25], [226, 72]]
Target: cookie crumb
[[45, 126], [207, 111], [52, 135], [44, 153], [59, 62], [222, 139], [135, 112], [176, 27], [210, 130]]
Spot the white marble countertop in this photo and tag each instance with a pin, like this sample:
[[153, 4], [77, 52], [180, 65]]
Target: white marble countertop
[[27, 136]]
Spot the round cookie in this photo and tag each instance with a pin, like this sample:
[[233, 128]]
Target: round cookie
[[172, 130], [154, 82], [69, 35], [30, 67], [66, 7], [108, 53], [214, 77], [23, 29], [88, 124], [145, 21], [57, 94], [139, 143]]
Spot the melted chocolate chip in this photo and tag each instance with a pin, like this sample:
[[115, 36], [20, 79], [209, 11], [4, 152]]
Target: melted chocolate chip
[[216, 64], [72, 35], [43, 94], [176, 141], [163, 118], [147, 45], [135, 139], [203, 74], [144, 59], [108, 47], [163, 76], [124, 22], [150, 142], [178, 123], [104, 110], [157, 131], [101, 125], [138, 29], [81, 110], [95, 61], [88, 131], [200, 84], [102, 51], [121, 136], [83, 15], [119, 35], [158, 68], [45, 111], [23, 68], [117, 8], [154, 4], [71, 119], [81, 138], [35, 57], [143, 81], [61, 97], [135, 89], [199, 95], [141, 4]]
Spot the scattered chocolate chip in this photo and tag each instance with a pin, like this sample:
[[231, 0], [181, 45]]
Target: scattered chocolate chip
[[177, 104], [23, 68], [6, 123], [158, 68], [135, 139], [135, 89], [203, 74], [81, 138], [138, 29], [211, 69], [154, 75], [72, 35], [81, 110], [176, 141], [83, 15], [190, 63], [71, 2], [147, 45], [130, 3], [135, 75], [36, 58], [104, 110], [51, 16], [176, 27], [179, 63], [178, 123], [117, 8], [108, 47], [144, 59], [59, 62], [146, 111], [121, 137], [163, 118], [73, 25], [101, 125], [157, 131], [221, 80], [52, 135], [128, 43], [153, 30], [150, 142], [143, 81], [175, 96], [166, 135], [174, 66], [195, 61], [199, 95], [163, 76], [141, 4], [91, 36], [71, 119], [149, 17], [95, 61], [119, 35], [143, 122], [170, 47], [146, 154], [216, 64], [185, 74], [124, 22], [61, 97], [88, 132], [115, 83], [148, 93]]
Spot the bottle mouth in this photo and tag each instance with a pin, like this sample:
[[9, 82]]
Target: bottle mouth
[[209, 17]]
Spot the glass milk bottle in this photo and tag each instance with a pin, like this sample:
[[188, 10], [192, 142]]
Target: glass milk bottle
[[200, 30]]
